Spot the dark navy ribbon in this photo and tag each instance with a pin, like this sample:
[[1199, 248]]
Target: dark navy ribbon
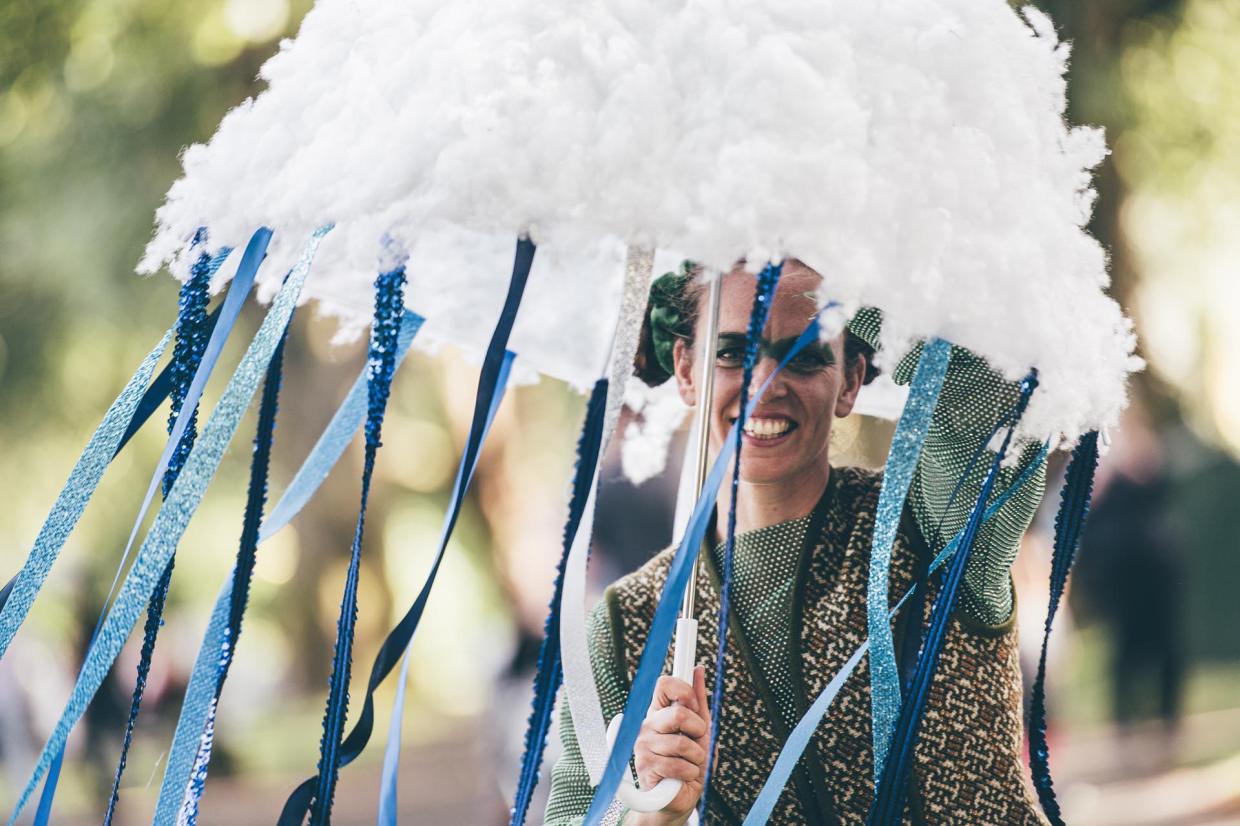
[[495, 366], [889, 795], [1069, 524], [662, 625], [764, 293], [243, 570], [191, 341], [389, 305], [549, 673]]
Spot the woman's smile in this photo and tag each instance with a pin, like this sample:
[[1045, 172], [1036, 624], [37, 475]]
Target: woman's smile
[[768, 431]]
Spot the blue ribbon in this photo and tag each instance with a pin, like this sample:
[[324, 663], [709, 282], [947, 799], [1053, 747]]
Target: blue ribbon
[[764, 292], [192, 335], [902, 460], [548, 674], [389, 306], [331, 445], [1069, 523], [73, 497], [801, 735], [655, 653], [495, 367], [173, 517], [888, 806]]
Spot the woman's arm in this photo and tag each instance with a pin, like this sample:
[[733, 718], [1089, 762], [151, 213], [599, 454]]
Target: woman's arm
[[973, 400]]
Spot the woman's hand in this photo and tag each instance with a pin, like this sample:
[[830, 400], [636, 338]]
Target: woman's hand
[[672, 743]]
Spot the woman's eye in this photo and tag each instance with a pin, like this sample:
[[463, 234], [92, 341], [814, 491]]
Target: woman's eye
[[809, 360], [730, 355]]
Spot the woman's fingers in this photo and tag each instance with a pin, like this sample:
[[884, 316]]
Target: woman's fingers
[[677, 720], [671, 690], [656, 768], [677, 746]]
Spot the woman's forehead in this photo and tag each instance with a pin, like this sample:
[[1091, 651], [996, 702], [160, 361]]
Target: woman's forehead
[[795, 301]]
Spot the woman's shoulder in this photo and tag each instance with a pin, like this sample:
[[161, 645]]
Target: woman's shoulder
[[645, 580]]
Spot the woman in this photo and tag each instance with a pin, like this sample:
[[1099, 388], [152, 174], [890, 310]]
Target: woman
[[799, 587]]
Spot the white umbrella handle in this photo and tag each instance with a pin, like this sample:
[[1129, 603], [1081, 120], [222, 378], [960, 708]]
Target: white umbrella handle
[[657, 798]]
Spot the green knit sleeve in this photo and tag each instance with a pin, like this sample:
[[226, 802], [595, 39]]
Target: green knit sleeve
[[570, 784], [973, 399]]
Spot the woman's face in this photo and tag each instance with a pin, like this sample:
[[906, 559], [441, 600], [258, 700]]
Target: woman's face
[[787, 437]]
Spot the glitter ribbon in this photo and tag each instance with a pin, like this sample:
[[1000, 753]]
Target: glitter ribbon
[[1069, 523], [74, 496], [902, 460], [174, 516], [888, 806]]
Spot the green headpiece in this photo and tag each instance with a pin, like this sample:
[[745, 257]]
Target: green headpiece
[[669, 319]]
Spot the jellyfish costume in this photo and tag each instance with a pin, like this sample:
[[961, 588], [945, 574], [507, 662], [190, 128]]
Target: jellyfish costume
[[503, 177]]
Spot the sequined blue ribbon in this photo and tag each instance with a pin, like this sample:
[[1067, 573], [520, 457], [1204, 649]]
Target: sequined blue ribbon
[[764, 293], [389, 305], [331, 445], [888, 806], [1069, 524], [192, 336], [243, 570], [496, 362], [548, 673], [174, 516], [801, 735], [902, 460], [663, 624]]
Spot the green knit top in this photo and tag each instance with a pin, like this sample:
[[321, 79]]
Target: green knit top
[[766, 561]]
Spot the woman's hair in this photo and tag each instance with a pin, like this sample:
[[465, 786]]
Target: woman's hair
[[672, 313]]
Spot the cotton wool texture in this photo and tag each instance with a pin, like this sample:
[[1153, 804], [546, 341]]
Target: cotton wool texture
[[912, 151]]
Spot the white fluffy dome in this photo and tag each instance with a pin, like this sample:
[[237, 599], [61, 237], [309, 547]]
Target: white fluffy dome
[[913, 151]]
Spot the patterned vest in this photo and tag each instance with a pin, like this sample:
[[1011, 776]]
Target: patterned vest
[[968, 767]]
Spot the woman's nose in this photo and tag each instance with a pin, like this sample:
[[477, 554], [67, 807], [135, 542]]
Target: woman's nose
[[761, 372]]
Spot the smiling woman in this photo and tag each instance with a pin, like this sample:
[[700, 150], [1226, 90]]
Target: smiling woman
[[798, 588]]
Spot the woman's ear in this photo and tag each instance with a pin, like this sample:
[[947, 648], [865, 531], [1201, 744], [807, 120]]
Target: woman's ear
[[682, 358], [854, 378]]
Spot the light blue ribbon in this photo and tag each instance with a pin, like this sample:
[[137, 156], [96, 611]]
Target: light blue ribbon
[[331, 445], [902, 460], [801, 735], [78, 489], [173, 518]]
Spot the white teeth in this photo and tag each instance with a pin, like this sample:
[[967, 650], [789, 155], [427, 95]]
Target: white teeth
[[767, 428]]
